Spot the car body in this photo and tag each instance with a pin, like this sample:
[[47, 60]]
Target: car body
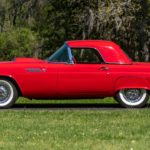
[[79, 69]]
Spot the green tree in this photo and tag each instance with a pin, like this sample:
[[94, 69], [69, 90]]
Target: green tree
[[55, 21]]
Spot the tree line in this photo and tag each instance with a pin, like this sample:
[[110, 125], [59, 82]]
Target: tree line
[[36, 28]]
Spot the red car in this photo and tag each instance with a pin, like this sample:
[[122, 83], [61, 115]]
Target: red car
[[79, 69]]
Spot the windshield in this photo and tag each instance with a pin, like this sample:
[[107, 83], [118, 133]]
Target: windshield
[[61, 55]]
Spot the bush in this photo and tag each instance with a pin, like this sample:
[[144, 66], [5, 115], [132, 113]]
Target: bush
[[19, 42]]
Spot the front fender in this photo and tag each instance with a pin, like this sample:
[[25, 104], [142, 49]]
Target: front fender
[[131, 82], [14, 81]]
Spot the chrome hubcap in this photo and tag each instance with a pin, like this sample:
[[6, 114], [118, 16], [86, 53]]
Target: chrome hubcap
[[4, 93], [133, 95]]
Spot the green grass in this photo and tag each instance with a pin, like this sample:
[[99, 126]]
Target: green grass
[[76, 101], [74, 129]]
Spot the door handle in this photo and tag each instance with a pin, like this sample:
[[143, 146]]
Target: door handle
[[103, 68]]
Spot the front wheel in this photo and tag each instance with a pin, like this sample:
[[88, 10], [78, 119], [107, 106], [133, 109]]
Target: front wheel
[[8, 93], [132, 98]]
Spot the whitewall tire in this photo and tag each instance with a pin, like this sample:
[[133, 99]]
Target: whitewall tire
[[132, 98], [8, 93]]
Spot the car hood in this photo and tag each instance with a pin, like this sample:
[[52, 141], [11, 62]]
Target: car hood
[[23, 59]]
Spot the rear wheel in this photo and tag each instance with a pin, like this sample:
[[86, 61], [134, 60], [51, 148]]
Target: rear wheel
[[8, 93], [132, 98]]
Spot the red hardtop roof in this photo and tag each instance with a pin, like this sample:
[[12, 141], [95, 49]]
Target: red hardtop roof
[[110, 51], [90, 43]]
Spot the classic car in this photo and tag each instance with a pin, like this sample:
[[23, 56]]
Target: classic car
[[79, 69]]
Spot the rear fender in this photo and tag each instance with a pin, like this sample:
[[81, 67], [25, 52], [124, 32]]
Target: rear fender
[[131, 82]]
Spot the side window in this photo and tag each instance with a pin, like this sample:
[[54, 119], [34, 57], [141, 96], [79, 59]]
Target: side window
[[86, 56]]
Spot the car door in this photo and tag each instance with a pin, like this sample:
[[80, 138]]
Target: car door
[[88, 76]]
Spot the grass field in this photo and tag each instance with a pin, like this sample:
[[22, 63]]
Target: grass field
[[43, 129], [77, 101]]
